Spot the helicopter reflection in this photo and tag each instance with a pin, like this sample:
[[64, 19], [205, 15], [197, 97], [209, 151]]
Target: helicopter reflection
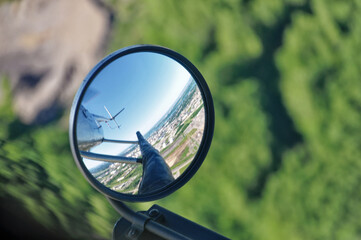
[[89, 130]]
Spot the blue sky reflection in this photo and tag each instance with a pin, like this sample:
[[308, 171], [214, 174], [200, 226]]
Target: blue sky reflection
[[145, 84]]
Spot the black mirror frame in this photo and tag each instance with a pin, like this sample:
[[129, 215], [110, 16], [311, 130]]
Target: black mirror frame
[[206, 139]]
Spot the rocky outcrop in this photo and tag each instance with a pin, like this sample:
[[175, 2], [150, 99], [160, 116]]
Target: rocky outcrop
[[46, 49]]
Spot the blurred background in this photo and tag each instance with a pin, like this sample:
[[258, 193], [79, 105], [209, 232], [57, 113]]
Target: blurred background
[[285, 161]]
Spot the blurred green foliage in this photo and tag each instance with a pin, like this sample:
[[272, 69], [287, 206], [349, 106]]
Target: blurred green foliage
[[37, 170], [285, 160], [4, 1]]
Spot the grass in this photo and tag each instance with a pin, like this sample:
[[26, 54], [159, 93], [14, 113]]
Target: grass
[[135, 171], [183, 160], [182, 142]]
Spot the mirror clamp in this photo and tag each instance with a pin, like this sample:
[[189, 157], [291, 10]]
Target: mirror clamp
[[137, 227], [155, 215], [160, 224]]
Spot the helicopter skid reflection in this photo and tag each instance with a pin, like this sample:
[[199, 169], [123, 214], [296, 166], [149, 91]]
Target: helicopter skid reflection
[[109, 158], [156, 172]]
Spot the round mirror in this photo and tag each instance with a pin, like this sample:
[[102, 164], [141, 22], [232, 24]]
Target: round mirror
[[141, 123]]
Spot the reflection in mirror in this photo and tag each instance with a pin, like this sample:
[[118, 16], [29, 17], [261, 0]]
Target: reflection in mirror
[[140, 123]]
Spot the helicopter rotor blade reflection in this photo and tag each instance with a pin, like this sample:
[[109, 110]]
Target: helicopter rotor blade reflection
[[109, 158], [113, 117], [118, 113]]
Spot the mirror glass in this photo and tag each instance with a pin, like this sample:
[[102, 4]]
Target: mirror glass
[[140, 123]]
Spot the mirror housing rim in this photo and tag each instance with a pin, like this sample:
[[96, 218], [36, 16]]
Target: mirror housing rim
[[207, 134]]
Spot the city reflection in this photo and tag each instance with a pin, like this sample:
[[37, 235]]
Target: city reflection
[[163, 107]]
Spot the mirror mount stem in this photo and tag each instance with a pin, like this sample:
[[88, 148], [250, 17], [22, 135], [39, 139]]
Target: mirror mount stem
[[137, 220], [139, 223], [156, 172], [133, 217], [157, 223]]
